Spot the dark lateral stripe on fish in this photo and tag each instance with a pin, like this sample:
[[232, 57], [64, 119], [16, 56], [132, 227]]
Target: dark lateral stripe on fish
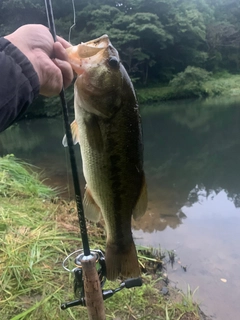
[[116, 186]]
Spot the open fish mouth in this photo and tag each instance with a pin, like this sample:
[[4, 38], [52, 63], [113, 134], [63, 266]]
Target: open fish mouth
[[93, 52], [86, 51], [90, 48], [101, 42]]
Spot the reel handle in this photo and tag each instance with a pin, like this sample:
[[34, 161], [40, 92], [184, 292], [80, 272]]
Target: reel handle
[[134, 282]]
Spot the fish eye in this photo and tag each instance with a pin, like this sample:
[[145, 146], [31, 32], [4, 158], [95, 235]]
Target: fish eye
[[113, 62]]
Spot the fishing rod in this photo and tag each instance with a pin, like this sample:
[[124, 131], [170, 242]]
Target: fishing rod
[[89, 265], [81, 217], [86, 261]]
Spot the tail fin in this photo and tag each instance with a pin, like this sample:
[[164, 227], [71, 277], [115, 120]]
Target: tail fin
[[121, 261]]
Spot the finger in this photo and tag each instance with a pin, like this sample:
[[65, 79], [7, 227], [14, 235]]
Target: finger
[[51, 79], [67, 72], [64, 42], [60, 51]]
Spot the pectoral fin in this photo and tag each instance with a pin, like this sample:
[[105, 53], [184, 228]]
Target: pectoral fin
[[141, 205], [75, 134], [91, 209], [94, 134]]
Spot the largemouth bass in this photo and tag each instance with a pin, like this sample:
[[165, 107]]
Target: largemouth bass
[[108, 128]]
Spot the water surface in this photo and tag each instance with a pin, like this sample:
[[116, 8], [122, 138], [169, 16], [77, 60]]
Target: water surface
[[192, 157]]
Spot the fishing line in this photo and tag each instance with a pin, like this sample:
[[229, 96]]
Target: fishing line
[[74, 21], [78, 197]]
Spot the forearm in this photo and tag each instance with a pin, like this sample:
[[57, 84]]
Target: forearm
[[19, 83]]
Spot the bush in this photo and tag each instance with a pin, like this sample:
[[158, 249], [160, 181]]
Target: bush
[[190, 82], [154, 94]]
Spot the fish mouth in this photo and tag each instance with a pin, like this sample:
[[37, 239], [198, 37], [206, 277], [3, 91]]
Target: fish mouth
[[95, 52], [90, 48], [85, 51], [100, 43]]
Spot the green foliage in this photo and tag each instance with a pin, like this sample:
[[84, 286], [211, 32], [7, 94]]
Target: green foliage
[[18, 178], [191, 74], [222, 83], [190, 82], [154, 94], [14, 13], [152, 36], [156, 39], [137, 36]]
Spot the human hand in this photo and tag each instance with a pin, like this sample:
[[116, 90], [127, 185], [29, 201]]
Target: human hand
[[49, 59]]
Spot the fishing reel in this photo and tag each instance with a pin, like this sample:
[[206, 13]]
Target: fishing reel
[[101, 269]]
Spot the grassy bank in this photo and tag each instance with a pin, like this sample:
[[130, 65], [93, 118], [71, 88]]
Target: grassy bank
[[37, 231], [223, 84]]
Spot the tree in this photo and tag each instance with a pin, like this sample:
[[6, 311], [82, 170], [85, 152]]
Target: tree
[[223, 36], [14, 13], [156, 39]]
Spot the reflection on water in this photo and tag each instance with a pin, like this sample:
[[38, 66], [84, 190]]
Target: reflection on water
[[163, 210], [207, 244], [192, 156], [207, 202]]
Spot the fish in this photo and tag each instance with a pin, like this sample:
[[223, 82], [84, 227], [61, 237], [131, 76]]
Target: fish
[[108, 128]]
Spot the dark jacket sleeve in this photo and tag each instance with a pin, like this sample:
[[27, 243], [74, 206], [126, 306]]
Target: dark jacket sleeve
[[19, 83]]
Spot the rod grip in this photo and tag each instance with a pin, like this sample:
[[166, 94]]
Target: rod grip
[[92, 289]]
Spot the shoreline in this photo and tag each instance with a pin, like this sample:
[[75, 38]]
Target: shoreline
[[215, 87]]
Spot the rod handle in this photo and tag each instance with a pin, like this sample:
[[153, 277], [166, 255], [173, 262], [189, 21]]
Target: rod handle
[[92, 289]]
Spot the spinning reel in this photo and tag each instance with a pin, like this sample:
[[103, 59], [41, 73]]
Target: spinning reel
[[78, 255]]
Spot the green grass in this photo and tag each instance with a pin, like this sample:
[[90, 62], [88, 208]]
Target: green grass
[[227, 85], [36, 234], [154, 94], [19, 179], [220, 84]]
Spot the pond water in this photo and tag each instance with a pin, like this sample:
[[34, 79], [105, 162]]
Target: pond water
[[192, 157]]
